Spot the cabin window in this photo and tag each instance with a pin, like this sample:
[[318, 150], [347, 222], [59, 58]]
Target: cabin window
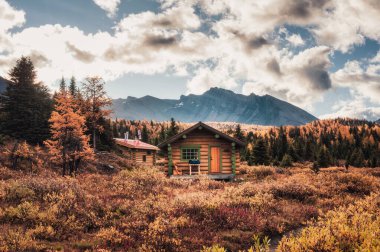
[[149, 152], [144, 158], [189, 153]]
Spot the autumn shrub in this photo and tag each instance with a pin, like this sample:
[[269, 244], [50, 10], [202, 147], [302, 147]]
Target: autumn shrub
[[355, 183], [17, 192], [25, 213], [18, 240], [352, 228], [260, 172], [112, 238], [294, 190]]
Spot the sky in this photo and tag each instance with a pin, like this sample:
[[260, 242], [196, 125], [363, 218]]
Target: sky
[[320, 55]]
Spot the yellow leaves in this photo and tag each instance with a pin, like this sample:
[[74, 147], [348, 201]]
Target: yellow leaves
[[352, 228], [68, 142]]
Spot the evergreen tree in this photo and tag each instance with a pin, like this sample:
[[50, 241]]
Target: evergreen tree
[[68, 145], [73, 87], [286, 161], [26, 105], [145, 134], [62, 85], [239, 133], [357, 158], [173, 129], [323, 158], [259, 153]]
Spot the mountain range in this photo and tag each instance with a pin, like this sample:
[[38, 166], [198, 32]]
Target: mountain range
[[3, 84], [215, 105]]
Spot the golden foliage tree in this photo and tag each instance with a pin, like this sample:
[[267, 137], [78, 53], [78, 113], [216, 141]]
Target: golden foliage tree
[[95, 104], [68, 145]]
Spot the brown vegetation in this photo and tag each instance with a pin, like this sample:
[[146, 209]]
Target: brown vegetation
[[141, 209]]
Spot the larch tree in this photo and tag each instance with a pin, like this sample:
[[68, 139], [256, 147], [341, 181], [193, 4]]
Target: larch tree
[[68, 145], [95, 105], [26, 105]]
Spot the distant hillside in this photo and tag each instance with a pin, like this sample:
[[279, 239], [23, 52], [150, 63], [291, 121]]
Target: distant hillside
[[216, 105], [378, 121], [3, 84]]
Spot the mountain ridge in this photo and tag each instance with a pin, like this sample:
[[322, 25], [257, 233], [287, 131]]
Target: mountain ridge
[[217, 105], [3, 84]]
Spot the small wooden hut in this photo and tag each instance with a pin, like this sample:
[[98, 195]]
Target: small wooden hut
[[201, 149], [137, 151]]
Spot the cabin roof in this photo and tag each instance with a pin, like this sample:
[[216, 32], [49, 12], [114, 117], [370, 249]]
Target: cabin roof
[[135, 144], [205, 126]]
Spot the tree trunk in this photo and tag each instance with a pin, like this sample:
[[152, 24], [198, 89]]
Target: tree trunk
[[94, 139]]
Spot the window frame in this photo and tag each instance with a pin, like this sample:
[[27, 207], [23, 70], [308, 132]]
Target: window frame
[[190, 147]]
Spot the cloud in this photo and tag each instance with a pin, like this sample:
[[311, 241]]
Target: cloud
[[78, 54], [241, 45], [10, 17], [362, 80], [110, 6], [356, 108], [296, 40], [205, 78]]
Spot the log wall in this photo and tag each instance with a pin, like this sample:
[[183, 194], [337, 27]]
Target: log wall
[[204, 139]]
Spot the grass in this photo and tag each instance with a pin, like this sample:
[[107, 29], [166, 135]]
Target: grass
[[139, 209]]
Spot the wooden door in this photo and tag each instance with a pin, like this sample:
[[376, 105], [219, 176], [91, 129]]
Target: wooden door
[[215, 160]]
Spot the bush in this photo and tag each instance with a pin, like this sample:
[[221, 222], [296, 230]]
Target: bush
[[286, 161], [112, 238], [315, 168], [260, 172], [352, 228], [17, 240], [295, 191]]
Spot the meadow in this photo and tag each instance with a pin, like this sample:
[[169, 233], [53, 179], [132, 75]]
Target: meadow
[[114, 206]]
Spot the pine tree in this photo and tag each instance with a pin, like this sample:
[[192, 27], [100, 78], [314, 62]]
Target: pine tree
[[62, 85], [68, 145], [259, 153], [26, 105], [286, 161], [95, 105], [173, 128], [323, 158], [73, 87], [239, 133], [145, 134]]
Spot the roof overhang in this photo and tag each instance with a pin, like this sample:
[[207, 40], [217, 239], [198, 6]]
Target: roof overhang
[[203, 126]]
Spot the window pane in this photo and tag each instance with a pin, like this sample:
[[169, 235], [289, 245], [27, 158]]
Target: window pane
[[189, 153]]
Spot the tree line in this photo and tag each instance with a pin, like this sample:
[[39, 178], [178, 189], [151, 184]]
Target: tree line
[[71, 123], [324, 142]]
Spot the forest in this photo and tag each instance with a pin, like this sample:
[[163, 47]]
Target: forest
[[65, 186]]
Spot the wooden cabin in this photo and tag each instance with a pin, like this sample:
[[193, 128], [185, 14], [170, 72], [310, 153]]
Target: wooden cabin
[[137, 151], [202, 149]]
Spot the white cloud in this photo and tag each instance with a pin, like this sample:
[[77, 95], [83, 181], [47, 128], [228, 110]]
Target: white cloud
[[296, 40], [110, 6], [365, 81], [240, 46], [10, 17], [355, 108]]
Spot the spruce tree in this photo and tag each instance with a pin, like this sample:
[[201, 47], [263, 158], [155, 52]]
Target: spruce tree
[[26, 105], [323, 158], [239, 133], [173, 128], [73, 87], [145, 134], [259, 153]]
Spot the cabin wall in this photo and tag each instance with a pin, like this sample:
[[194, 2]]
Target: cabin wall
[[136, 155], [204, 139]]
